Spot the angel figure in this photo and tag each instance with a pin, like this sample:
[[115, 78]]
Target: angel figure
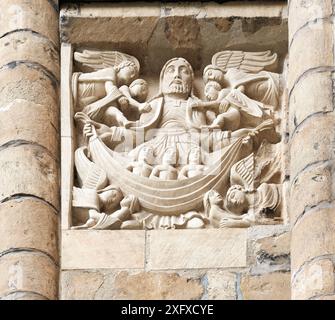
[[194, 166], [143, 165], [108, 92]]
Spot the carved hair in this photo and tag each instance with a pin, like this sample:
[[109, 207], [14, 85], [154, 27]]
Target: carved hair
[[137, 82], [125, 64], [212, 67], [215, 84]]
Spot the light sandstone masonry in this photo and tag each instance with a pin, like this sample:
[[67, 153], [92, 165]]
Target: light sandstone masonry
[[29, 149], [310, 86]]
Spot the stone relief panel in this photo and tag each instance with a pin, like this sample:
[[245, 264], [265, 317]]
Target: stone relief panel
[[173, 160]]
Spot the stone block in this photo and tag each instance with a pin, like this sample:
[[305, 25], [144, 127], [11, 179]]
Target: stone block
[[271, 286], [91, 249], [28, 223], [39, 15], [221, 285], [29, 47], [312, 94], [315, 231], [16, 124], [311, 48], [310, 188], [315, 278], [28, 271], [312, 143], [194, 249]]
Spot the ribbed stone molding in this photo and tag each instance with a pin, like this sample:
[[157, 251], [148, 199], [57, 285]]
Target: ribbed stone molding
[[312, 145], [29, 149]]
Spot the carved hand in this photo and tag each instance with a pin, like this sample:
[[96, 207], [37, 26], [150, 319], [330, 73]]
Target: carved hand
[[123, 102], [145, 107], [223, 105]]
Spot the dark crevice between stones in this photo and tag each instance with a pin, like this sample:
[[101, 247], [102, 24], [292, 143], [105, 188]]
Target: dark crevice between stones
[[54, 5]]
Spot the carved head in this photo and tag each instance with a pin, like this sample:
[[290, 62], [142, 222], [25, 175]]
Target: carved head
[[139, 90], [213, 73], [212, 197], [212, 89], [177, 78], [170, 156], [110, 198], [127, 71], [236, 200], [194, 155], [146, 153], [130, 202]]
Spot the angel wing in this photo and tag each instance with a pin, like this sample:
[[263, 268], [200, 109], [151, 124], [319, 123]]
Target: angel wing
[[90, 175], [247, 61], [243, 173], [98, 59]]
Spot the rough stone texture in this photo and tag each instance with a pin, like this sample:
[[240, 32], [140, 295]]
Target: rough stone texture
[[124, 285], [211, 248], [91, 249], [28, 46], [310, 144], [315, 278], [23, 14], [318, 241], [313, 83], [28, 169], [21, 271], [319, 42], [24, 296], [320, 189], [21, 223], [16, 118], [221, 285], [271, 286]]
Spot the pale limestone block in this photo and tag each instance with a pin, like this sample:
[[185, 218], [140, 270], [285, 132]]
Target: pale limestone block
[[312, 49], [28, 223], [302, 12], [315, 231], [311, 187], [314, 279], [27, 46], [210, 249], [23, 296], [15, 122], [221, 285], [27, 271], [325, 297], [29, 169], [271, 286], [87, 249], [311, 143], [27, 83], [38, 15], [312, 94]]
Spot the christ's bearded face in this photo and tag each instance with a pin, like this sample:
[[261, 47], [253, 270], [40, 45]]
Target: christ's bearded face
[[177, 78]]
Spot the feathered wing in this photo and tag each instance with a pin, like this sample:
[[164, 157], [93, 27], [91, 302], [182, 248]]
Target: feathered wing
[[99, 59], [246, 61], [243, 173], [90, 175]]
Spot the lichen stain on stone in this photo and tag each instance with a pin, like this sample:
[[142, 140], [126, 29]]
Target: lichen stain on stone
[[223, 25], [255, 24], [182, 32]]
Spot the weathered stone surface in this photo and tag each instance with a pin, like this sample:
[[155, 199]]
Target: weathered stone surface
[[27, 83], [29, 169], [325, 297], [310, 188], [40, 16], [303, 106], [16, 123], [315, 231], [27, 271], [319, 42], [312, 143], [302, 12], [23, 296], [127, 285], [91, 249], [221, 285], [30, 47], [210, 249], [313, 279], [28, 223], [271, 286]]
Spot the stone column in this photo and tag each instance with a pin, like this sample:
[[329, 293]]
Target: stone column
[[312, 142], [29, 149]]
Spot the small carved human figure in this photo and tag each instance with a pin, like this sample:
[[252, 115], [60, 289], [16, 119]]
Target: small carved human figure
[[194, 166], [167, 170], [142, 167]]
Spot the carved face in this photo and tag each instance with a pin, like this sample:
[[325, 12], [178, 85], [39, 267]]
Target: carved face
[[146, 154], [236, 201], [170, 156], [110, 199], [126, 75], [213, 74], [194, 156], [215, 198], [139, 90], [212, 90], [177, 78]]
